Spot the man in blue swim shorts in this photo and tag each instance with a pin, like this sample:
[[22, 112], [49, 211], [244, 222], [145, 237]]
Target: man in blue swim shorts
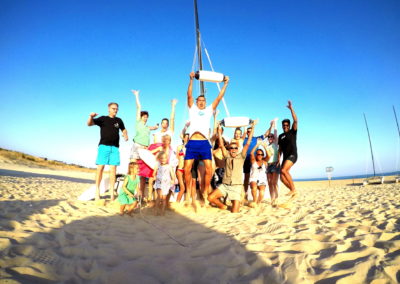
[[108, 151], [199, 147]]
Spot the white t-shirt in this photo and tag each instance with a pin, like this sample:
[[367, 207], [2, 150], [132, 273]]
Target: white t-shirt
[[158, 135], [200, 120]]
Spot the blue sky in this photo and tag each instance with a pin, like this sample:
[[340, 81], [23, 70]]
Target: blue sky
[[61, 60]]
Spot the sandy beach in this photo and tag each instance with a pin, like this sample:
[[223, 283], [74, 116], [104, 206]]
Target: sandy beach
[[344, 233]]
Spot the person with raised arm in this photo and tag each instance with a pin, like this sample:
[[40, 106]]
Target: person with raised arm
[[258, 176], [141, 139], [167, 126], [232, 182], [108, 150], [273, 168], [288, 149], [199, 146]]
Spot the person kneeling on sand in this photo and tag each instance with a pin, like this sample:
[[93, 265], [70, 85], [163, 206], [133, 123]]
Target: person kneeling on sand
[[232, 182], [127, 198]]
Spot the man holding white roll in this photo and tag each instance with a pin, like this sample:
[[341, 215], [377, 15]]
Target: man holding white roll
[[199, 147]]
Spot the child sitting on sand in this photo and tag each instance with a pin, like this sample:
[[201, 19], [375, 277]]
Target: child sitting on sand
[[164, 174], [130, 188]]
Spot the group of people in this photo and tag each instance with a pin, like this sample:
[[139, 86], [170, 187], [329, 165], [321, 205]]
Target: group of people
[[206, 166]]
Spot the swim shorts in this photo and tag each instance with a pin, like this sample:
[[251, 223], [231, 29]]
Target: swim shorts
[[233, 192], [198, 150], [273, 168], [292, 158], [107, 155]]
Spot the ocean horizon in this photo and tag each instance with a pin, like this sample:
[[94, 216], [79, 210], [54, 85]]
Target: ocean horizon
[[348, 177]]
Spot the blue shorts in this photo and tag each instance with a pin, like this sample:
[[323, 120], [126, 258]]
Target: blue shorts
[[198, 150], [107, 155]]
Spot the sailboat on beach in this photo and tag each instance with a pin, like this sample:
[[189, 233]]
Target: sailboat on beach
[[374, 179]]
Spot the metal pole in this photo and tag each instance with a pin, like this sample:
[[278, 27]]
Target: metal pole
[[370, 144], [398, 129], [196, 15]]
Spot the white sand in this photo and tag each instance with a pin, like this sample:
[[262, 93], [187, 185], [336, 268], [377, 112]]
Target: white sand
[[342, 234]]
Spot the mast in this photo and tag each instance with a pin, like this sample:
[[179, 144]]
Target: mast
[[395, 116], [370, 144], [198, 44]]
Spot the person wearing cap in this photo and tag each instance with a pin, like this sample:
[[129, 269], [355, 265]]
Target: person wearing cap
[[198, 146], [232, 182]]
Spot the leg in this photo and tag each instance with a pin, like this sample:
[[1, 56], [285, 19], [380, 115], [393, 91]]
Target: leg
[[261, 191], [142, 185], [275, 178], [207, 178], [163, 204], [214, 198], [246, 182], [235, 206], [113, 170], [122, 209], [253, 186], [99, 176], [157, 205], [286, 177], [271, 187], [188, 180], [131, 208], [179, 175], [151, 189]]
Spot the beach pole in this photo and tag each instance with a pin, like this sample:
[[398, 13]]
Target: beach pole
[[397, 122], [370, 144], [198, 44]]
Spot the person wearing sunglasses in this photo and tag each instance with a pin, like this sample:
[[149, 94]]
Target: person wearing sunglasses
[[288, 148], [273, 163], [232, 182], [258, 176]]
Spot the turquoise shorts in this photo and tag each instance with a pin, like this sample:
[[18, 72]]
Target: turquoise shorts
[[107, 155]]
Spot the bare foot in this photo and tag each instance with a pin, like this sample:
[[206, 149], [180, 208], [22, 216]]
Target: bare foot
[[223, 207], [253, 205], [121, 213], [194, 205]]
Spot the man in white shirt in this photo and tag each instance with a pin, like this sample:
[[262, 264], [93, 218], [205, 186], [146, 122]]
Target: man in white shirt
[[199, 147]]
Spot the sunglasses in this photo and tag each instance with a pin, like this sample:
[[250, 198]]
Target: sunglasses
[[260, 154], [233, 148], [270, 136], [285, 125]]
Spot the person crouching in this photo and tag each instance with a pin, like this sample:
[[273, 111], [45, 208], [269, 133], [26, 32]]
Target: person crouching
[[232, 182]]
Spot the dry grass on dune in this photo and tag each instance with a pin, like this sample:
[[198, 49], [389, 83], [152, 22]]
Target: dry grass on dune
[[14, 157]]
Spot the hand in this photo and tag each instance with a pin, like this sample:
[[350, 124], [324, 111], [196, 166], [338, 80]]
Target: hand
[[174, 102], [219, 130], [157, 125], [126, 138], [254, 122], [93, 114], [226, 79], [191, 75], [135, 92], [216, 112], [187, 123], [289, 106]]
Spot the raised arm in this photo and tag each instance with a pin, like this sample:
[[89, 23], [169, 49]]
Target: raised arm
[[190, 90], [138, 106], [183, 132], [215, 128], [289, 106], [90, 121], [246, 147], [221, 142], [252, 158], [172, 117], [221, 93], [271, 126]]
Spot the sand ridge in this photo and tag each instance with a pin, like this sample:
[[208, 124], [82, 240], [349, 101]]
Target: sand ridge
[[341, 234]]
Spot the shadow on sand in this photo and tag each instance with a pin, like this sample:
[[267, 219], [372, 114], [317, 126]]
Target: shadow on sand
[[40, 246]]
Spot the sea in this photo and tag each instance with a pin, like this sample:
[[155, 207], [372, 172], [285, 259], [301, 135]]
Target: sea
[[348, 177]]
